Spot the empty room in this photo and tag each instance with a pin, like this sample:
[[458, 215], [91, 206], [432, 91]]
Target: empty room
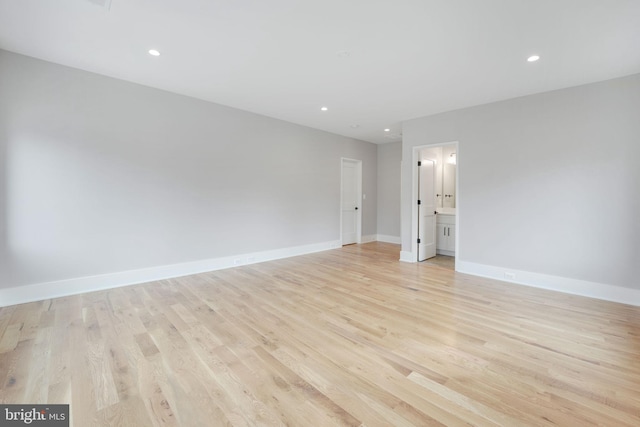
[[336, 213]]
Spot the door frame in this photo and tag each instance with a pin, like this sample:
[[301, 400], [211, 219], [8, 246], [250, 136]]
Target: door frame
[[358, 163], [414, 197]]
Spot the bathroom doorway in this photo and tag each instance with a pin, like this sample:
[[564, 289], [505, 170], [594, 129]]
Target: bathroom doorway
[[444, 157]]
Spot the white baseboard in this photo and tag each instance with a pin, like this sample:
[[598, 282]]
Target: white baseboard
[[43, 291], [368, 238], [61, 288], [388, 239], [555, 283], [447, 253], [407, 256]]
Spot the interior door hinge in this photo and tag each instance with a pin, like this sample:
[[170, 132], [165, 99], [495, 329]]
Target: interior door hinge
[[418, 240], [419, 202]]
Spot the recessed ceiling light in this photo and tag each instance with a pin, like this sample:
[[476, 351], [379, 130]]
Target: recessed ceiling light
[[533, 58], [387, 130], [154, 52], [324, 108], [355, 126]]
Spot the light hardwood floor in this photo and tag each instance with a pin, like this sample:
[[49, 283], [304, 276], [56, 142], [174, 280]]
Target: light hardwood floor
[[345, 337]]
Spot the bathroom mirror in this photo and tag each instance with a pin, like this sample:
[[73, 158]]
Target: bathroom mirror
[[448, 199]]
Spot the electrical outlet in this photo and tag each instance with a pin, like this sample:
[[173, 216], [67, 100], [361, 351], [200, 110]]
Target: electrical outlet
[[251, 259], [237, 261], [509, 276]]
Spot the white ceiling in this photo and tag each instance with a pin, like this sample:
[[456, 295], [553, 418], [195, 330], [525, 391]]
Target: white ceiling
[[284, 58]]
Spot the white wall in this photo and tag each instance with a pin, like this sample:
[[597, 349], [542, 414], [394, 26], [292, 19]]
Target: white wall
[[102, 176], [549, 183], [389, 159]]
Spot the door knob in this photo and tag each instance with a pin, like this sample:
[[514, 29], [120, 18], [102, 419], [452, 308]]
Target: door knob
[[356, 208]]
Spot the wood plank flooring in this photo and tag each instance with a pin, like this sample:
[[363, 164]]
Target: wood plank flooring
[[348, 337]]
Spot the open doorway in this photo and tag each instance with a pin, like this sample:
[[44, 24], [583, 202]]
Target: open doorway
[[435, 217]]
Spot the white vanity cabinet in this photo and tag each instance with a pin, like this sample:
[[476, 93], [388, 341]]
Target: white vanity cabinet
[[446, 234]]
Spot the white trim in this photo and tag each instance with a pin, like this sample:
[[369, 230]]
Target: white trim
[[44, 291], [406, 256], [388, 239], [447, 253], [414, 196], [555, 283], [369, 238]]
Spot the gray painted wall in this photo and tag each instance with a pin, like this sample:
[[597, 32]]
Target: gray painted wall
[[101, 176], [549, 183], [389, 159]]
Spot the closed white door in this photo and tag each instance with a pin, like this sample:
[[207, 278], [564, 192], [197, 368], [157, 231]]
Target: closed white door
[[351, 208], [426, 209]]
